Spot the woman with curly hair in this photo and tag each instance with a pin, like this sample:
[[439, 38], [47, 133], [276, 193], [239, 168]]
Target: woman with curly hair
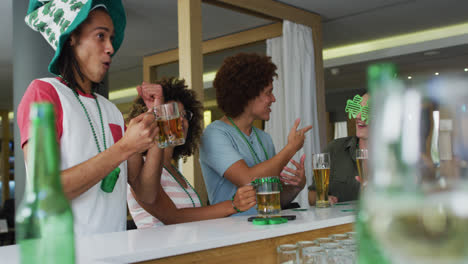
[[233, 152], [179, 202]]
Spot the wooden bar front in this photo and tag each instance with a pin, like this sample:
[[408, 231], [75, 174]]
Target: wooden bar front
[[261, 251]]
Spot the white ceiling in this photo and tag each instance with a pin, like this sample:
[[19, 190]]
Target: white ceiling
[[152, 27]]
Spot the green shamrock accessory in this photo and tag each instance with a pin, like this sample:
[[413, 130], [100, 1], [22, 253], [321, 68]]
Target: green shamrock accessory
[[57, 19], [353, 108]]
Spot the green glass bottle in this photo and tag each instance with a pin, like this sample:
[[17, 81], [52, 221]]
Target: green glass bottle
[[370, 251], [44, 219]]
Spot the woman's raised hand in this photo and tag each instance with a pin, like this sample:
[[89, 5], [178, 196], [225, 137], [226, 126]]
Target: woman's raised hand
[[296, 136], [297, 178], [152, 94]]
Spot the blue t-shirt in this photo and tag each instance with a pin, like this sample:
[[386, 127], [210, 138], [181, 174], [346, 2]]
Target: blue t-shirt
[[221, 147]]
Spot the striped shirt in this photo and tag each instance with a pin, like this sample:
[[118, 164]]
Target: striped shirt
[[179, 197]]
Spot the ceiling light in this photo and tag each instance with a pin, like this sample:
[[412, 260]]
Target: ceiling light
[[431, 53], [396, 41], [436, 73], [11, 115], [132, 92], [466, 69], [409, 77], [335, 71]]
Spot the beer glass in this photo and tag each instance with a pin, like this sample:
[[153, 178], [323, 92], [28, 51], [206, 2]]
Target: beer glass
[[417, 192], [321, 168], [287, 254], [361, 161], [306, 246], [313, 255], [170, 125], [268, 196]]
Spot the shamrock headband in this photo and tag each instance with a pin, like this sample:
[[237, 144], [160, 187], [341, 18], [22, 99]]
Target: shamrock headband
[[353, 108], [57, 19]]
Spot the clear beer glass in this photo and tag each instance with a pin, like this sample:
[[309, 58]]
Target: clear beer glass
[[321, 168], [169, 122], [361, 161], [268, 196], [287, 254]]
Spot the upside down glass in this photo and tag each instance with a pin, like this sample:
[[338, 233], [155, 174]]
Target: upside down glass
[[321, 168], [417, 193], [287, 254], [170, 125]]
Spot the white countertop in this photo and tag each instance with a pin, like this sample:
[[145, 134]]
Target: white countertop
[[165, 241]]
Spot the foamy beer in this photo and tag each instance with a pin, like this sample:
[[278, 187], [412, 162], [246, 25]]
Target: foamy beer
[[268, 196], [170, 125], [321, 168]]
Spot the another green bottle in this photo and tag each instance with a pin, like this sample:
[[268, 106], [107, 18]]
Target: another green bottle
[[44, 219], [370, 252]]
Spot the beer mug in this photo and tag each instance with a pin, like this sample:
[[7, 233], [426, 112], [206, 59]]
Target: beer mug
[[268, 196], [321, 168], [170, 125]]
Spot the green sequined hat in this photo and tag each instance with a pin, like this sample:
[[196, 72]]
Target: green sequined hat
[[57, 19]]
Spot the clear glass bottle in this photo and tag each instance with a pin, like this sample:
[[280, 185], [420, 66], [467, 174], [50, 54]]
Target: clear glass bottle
[[369, 250], [413, 209], [44, 219]]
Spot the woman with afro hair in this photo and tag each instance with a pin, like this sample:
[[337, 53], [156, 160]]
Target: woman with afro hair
[[233, 152], [178, 202]]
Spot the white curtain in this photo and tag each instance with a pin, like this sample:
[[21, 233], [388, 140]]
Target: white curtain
[[341, 129], [295, 92]]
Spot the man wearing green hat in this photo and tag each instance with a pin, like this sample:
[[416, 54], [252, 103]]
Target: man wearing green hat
[[97, 158]]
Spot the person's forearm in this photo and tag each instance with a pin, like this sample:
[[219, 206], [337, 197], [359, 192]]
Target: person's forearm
[[164, 209], [80, 178], [240, 174], [184, 215], [288, 194], [145, 178]]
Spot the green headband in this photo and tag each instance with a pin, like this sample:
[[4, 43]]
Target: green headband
[[353, 108], [57, 19]]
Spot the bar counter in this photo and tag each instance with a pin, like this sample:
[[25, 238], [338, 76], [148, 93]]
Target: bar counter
[[228, 240]]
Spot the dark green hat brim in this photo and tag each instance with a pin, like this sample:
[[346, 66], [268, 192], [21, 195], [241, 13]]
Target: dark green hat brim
[[117, 14]]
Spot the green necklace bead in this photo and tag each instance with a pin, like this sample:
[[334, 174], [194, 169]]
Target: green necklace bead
[[181, 186]]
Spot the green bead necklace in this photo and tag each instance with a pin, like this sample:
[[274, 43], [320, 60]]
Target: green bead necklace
[[108, 183], [252, 151], [181, 186]]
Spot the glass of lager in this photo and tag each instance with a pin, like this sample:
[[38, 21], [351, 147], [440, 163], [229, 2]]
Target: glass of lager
[[361, 161], [170, 125], [321, 167], [268, 196]]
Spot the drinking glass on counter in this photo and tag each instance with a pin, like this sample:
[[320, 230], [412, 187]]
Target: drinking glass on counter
[[314, 255], [323, 240], [268, 196], [321, 168], [361, 161], [170, 125], [304, 246], [287, 254], [340, 256]]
